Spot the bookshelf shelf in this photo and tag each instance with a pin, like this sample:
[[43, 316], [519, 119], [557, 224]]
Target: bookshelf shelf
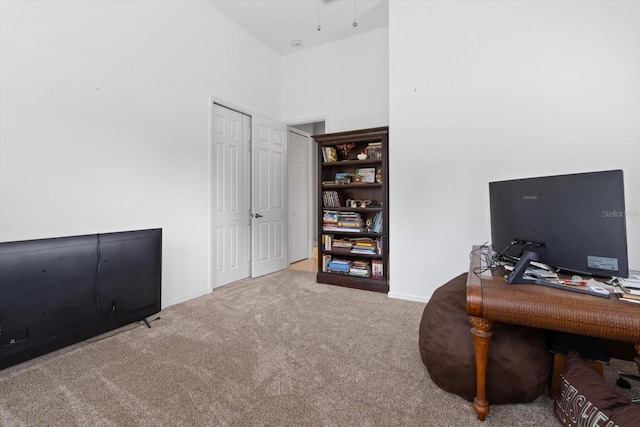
[[354, 162], [351, 233], [349, 254], [377, 285], [344, 209], [352, 185], [353, 209]]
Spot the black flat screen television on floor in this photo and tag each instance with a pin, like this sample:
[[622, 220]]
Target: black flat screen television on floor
[[56, 292], [573, 222]]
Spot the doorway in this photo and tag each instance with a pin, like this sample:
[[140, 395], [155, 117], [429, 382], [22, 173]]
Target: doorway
[[299, 147], [302, 194]]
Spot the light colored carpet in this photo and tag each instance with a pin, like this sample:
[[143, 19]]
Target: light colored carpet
[[278, 350]]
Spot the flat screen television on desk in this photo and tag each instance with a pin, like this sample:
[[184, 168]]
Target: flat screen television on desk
[[574, 222]]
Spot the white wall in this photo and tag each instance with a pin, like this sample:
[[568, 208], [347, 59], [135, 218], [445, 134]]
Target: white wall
[[489, 90], [105, 120], [104, 116], [346, 81]]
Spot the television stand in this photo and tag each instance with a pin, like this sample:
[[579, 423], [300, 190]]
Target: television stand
[[518, 276]]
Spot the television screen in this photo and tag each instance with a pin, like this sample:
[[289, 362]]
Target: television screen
[[573, 222], [54, 292]]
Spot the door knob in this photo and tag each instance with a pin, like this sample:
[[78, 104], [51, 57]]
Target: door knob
[[257, 215]]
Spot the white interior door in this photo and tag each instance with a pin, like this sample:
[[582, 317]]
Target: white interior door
[[298, 160], [269, 244], [231, 200]]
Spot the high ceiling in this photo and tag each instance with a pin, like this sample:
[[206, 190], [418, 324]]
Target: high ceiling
[[279, 22]]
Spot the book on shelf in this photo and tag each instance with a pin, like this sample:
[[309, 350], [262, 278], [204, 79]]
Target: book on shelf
[[329, 154], [360, 268], [364, 241], [337, 265], [329, 219], [342, 221], [327, 242], [363, 252], [374, 150], [344, 244], [377, 268], [331, 199], [342, 229], [326, 259], [364, 245], [376, 227], [348, 223], [359, 272]]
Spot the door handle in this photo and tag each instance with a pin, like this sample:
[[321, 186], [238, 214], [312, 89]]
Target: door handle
[[257, 215]]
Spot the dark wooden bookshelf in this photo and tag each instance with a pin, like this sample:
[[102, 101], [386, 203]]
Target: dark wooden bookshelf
[[374, 142]]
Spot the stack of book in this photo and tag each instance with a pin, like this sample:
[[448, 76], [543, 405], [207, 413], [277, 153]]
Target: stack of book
[[351, 221], [340, 266], [342, 221], [377, 268], [331, 199], [329, 220], [343, 245], [363, 245], [360, 269], [374, 150]]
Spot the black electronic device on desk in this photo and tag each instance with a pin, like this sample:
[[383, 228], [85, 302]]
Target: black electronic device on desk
[[574, 222]]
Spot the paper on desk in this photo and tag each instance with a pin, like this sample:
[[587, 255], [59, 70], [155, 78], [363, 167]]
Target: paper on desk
[[629, 283]]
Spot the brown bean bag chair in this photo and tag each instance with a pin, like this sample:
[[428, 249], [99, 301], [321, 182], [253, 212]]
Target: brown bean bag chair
[[519, 364]]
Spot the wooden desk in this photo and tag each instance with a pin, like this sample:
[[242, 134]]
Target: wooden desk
[[489, 299]]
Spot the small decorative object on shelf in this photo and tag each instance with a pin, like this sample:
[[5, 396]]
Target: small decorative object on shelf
[[353, 209], [367, 174], [345, 149]]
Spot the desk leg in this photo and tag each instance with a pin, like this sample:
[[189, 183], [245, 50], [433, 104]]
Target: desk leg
[[481, 336], [637, 359]]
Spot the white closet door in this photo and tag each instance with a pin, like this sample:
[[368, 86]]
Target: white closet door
[[269, 196], [231, 215]]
